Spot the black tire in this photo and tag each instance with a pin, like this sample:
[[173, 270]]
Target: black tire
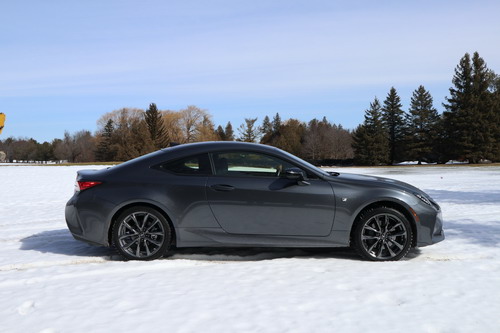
[[382, 234], [141, 233]]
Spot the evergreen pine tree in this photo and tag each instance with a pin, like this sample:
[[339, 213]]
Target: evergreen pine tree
[[484, 141], [457, 114], [370, 139], [267, 126], [271, 130], [156, 127], [393, 118], [422, 121], [228, 131], [276, 123], [495, 88], [104, 152], [220, 133], [291, 137], [248, 131], [469, 115], [267, 131]]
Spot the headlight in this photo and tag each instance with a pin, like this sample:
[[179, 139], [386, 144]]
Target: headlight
[[424, 199]]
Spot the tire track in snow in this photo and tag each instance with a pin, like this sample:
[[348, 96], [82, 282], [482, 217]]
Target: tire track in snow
[[43, 264], [124, 268]]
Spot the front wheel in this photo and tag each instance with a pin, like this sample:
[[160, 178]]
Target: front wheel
[[141, 233], [382, 234]]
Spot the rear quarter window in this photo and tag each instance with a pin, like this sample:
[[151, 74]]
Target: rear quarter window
[[191, 165]]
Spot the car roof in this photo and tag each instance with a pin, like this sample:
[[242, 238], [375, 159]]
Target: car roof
[[186, 149], [183, 150], [209, 145]]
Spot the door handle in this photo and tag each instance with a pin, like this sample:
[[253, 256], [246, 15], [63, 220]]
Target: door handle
[[222, 187]]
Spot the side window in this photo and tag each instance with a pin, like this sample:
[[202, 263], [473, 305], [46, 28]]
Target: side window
[[192, 165], [249, 164]]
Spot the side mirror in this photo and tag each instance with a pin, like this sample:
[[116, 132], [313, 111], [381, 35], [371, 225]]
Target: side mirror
[[297, 175]]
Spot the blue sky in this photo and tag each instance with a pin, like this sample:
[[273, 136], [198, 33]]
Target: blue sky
[[63, 64]]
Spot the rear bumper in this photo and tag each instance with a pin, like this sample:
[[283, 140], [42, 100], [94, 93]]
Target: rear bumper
[[72, 220], [85, 223]]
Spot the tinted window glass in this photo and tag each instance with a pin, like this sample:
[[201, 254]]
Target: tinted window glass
[[249, 164], [192, 165]]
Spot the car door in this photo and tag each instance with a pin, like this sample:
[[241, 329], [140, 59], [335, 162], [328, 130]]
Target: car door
[[184, 188], [249, 195]]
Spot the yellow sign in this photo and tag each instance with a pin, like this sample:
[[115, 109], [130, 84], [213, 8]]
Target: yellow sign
[[2, 121]]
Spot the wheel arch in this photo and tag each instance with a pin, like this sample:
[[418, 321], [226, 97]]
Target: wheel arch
[[400, 207], [144, 204]]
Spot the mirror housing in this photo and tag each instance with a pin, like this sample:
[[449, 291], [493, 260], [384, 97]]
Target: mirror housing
[[297, 175]]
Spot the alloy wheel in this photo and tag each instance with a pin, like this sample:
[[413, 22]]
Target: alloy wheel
[[141, 235], [384, 236]]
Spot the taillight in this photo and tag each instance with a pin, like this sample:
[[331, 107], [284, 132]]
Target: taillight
[[80, 186]]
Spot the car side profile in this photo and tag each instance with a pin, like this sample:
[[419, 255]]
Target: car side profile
[[235, 194]]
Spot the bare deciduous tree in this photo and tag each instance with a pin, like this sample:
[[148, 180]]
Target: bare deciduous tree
[[171, 121], [205, 130], [324, 141], [191, 118]]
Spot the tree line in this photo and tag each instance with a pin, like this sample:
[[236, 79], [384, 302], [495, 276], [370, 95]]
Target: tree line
[[468, 129]]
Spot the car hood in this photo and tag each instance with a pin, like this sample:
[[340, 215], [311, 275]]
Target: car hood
[[378, 182]]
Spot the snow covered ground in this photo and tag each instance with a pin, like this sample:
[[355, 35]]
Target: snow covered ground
[[52, 283]]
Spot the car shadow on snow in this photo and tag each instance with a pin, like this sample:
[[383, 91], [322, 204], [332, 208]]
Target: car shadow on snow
[[486, 233], [61, 242], [460, 197], [258, 254]]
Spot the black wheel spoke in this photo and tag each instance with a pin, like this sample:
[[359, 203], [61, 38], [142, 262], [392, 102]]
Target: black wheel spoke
[[369, 237], [378, 224], [398, 234], [151, 226], [154, 242], [134, 218], [144, 221], [370, 249], [148, 253], [134, 235], [394, 227], [392, 253], [372, 229], [129, 244], [129, 227], [138, 249], [380, 249], [399, 246]]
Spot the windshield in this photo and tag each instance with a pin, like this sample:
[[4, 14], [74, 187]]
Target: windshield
[[309, 165]]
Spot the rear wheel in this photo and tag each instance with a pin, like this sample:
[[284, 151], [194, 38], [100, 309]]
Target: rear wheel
[[382, 234], [141, 233]]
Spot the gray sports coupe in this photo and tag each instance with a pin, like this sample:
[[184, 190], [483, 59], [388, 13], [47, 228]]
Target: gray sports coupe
[[235, 194]]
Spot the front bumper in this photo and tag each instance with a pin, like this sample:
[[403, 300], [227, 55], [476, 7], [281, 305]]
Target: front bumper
[[430, 229]]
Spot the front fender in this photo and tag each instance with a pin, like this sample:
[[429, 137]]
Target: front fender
[[350, 203]]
